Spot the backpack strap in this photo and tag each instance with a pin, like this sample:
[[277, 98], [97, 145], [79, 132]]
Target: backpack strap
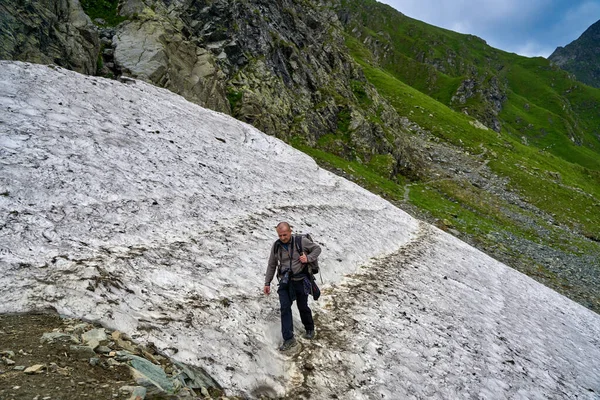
[[298, 242], [278, 246]]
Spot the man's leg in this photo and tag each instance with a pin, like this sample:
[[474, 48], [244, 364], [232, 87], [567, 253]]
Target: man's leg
[[302, 303], [287, 325]]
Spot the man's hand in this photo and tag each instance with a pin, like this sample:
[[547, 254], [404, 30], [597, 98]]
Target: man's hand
[[267, 290], [303, 258]]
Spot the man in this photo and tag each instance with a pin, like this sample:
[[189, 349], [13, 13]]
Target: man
[[294, 282]]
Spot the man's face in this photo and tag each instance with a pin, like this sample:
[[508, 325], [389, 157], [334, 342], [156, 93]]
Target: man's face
[[284, 233]]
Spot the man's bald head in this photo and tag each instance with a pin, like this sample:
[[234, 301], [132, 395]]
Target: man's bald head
[[284, 231], [283, 224]]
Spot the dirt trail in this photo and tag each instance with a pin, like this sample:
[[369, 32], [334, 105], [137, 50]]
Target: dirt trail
[[326, 361]]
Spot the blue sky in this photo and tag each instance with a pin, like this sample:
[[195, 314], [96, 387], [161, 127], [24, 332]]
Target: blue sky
[[527, 27]]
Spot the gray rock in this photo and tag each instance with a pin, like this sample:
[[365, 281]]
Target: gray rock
[[19, 368], [151, 376], [67, 37], [52, 337], [94, 337], [195, 377], [7, 353], [94, 361], [151, 51], [80, 328], [82, 351], [111, 362], [123, 355], [138, 393], [103, 349]]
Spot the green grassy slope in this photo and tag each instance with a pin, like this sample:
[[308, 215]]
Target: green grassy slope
[[547, 149], [543, 104]]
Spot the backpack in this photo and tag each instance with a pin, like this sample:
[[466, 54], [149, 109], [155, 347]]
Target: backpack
[[312, 267]]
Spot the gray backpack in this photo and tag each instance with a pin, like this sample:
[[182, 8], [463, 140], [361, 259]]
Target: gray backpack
[[312, 267]]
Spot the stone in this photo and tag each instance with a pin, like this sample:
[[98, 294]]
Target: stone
[[80, 328], [53, 337], [82, 351], [103, 349], [35, 369], [9, 362], [151, 376], [116, 335], [138, 393], [127, 389], [94, 337], [167, 59], [195, 377], [19, 368], [123, 355], [7, 353], [94, 361], [111, 362], [126, 345]]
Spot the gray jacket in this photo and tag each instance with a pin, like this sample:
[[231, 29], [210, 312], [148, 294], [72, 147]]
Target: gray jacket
[[290, 257]]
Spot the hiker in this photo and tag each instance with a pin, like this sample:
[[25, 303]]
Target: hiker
[[294, 283]]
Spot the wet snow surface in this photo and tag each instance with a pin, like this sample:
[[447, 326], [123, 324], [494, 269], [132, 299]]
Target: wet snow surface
[[127, 205]]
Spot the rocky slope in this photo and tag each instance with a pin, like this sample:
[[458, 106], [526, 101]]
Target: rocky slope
[[48, 32], [582, 56], [125, 205]]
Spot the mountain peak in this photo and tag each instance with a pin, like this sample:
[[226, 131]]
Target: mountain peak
[[582, 56]]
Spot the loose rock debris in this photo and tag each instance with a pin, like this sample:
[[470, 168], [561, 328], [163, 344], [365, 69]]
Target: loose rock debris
[[46, 357]]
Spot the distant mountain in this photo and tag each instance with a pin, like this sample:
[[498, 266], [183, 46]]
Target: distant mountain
[[582, 56]]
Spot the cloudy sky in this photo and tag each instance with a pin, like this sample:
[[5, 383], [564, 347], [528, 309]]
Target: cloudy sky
[[527, 27]]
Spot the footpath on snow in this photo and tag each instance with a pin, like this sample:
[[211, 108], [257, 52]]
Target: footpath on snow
[[125, 205]]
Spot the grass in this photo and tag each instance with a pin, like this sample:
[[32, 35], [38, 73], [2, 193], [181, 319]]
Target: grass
[[104, 9]]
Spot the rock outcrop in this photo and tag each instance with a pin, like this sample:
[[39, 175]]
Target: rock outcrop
[[283, 67], [49, 32]]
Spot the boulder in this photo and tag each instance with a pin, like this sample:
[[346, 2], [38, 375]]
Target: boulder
[[152, 51], [150, 376]]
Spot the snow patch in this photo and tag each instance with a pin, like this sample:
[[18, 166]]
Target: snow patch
[[127, 205]]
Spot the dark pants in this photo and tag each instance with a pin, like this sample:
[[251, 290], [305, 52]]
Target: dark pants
[[287, 325]]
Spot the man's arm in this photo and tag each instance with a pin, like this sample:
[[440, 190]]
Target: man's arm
[[271, 268], [311, 249]]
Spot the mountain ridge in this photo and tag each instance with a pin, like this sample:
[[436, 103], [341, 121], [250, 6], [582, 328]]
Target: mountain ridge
[[580, 57]]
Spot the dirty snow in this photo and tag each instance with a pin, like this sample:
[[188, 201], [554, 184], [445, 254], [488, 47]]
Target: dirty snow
[[127, 205]]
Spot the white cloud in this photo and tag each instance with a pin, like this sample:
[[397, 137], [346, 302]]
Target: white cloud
[[529, 28], [532, 48]]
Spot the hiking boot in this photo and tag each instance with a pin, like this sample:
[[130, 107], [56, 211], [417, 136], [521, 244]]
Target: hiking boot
[[288, 344], [309, 335]]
